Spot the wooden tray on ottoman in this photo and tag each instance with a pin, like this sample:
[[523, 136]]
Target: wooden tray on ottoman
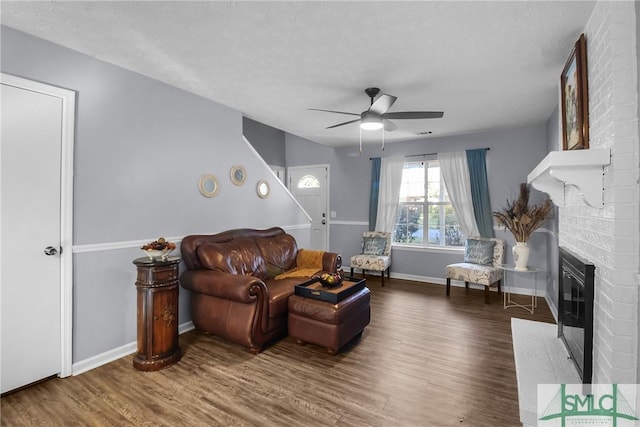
[[314, 289]]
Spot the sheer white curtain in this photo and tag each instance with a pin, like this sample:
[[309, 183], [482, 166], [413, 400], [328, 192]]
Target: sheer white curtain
[[389, 193], [455, 172]]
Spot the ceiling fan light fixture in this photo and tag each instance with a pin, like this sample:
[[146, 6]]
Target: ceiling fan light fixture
[[370, 121], [371, 126]]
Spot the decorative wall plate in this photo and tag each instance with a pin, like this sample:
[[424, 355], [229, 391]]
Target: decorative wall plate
[[238, 174], [208, 185], [263, 189]]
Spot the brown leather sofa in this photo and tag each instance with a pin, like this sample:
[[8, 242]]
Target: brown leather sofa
[[241, 281]]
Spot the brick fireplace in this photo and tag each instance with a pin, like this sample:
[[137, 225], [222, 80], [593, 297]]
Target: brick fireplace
[[609, 237]]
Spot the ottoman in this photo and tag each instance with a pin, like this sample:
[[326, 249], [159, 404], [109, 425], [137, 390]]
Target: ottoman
[[326, 324]]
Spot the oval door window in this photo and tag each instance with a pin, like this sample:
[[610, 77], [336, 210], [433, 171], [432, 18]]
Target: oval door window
[[308, 181]]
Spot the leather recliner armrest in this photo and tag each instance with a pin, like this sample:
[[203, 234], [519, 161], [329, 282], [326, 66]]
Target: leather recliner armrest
[[331, 262], [229, 286]]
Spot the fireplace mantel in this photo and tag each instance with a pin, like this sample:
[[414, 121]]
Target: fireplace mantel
[[582, 168]]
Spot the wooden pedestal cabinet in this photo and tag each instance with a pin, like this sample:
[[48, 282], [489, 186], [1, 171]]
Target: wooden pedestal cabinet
[[157, 286]]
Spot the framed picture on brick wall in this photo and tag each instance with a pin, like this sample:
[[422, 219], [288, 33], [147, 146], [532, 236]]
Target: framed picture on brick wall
[[575, 99]]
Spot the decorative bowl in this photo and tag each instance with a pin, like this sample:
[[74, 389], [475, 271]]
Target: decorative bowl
[[158, 249], [154, 254], [334, 283], [330, 285]]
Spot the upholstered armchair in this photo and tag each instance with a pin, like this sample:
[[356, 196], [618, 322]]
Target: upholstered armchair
[[482, 260], [375, 254]]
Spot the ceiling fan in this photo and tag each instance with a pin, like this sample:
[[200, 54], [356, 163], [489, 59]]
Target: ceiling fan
[[378, 116]]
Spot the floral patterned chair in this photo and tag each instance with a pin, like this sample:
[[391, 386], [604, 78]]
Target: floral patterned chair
[[376, 253], [482, 261]]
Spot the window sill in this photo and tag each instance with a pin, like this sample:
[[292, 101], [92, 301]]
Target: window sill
[[437, 249]]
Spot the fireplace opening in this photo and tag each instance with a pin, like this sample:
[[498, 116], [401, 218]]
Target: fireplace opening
[[575, 311]]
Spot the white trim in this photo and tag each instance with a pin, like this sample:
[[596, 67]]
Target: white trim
[[68, 99], [351, 223], [104, 358], [327, 212], [452, 250], [128, 244], [97, 247], [296, 227], [117, 353], [414, 278]]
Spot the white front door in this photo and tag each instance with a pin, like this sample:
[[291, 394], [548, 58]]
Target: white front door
[[309, 185], [30, 225]]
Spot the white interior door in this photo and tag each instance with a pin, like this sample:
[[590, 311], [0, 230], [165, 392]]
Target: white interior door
[[309, 185], [31, 149]]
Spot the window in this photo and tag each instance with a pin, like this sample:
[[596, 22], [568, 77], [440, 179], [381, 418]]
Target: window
[[308, 181], [424, 200]]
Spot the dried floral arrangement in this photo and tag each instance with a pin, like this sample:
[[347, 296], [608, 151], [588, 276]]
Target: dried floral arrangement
[[520, 218]]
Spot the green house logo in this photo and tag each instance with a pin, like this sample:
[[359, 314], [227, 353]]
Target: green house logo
[[606, 405]]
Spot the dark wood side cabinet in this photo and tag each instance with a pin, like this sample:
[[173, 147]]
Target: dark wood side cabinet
[[157, 286]]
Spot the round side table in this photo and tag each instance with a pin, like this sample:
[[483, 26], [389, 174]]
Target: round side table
[[532, 272], [157, 285]]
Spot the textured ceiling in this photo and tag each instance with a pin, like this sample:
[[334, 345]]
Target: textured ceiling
[[487, 65]]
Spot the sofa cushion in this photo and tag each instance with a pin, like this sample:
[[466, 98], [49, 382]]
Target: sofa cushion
[[279, 253], [298, 273], [237, 256], [279, 293], [475, 273], [308, 264], [370, 262]]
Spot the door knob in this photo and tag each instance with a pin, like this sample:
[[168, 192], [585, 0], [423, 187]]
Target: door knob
[[50, 250], [324, 222]]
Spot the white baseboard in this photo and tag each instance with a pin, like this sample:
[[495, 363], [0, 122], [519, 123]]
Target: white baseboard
[[103, 358], [457, 283], [185, 327], [426, 279], [358, 272], [116, 353]]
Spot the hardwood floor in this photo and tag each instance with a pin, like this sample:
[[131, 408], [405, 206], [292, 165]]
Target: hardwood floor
[[425, 360]]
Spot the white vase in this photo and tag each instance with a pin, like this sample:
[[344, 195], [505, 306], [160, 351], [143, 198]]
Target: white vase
[[520, 255]]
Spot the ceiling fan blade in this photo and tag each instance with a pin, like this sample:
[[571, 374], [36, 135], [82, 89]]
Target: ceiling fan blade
[[342, 124], [332, 111], [382, 104], [389, 126], [414, 115]]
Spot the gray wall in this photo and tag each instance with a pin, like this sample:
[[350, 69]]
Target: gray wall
[[269, 142], [140, 149]]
